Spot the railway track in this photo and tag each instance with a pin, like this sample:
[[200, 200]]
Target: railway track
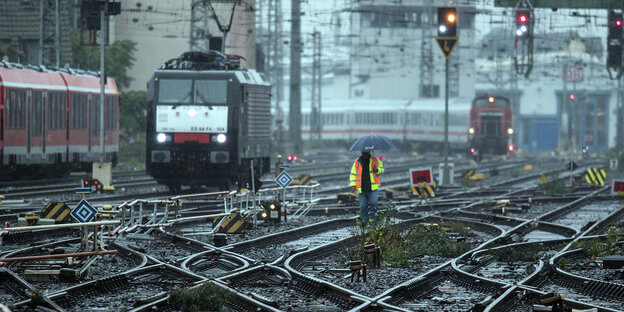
[[307, 267]]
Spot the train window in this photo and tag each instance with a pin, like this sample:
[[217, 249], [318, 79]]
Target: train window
[[60, 111], [174, 91], [95, 115], [501, 103], [52, 115], [21, 110], [78, 113], [37, 114], [73, 111], [210, 91], [111, 113], [10, 110], [481, 102]]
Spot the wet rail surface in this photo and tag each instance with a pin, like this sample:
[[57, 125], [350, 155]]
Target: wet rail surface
[[297, 268]]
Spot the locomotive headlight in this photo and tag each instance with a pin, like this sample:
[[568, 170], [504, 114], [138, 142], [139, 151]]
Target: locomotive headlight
[[221, 138], [161, 138], [510, 131], [192, 112], [471, 130]]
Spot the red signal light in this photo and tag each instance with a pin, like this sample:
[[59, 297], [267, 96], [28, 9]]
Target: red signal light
[[522, 18], [618, 22], [95, 182], [86, 182], [295, 157], [572, 96], [383, 158], [510, 148], [473, 150], [289, 157]]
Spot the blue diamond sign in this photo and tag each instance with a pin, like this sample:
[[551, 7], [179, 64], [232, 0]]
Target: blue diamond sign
[[83, 212], [283, 179]]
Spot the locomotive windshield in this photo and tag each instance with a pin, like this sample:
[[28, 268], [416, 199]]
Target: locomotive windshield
[[192, 91]]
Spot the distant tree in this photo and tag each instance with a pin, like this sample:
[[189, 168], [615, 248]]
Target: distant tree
[[118, 58], [132, 112], [132, 128], [12, 53]]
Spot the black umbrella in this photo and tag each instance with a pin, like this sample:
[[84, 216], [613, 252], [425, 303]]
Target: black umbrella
[[372, 142]]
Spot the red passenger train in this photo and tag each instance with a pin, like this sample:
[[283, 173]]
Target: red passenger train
[[490, 126], [50, 120]]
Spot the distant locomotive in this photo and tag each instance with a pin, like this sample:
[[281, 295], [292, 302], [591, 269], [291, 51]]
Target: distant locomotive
[[50, 120], [490, 126], [208, 122]]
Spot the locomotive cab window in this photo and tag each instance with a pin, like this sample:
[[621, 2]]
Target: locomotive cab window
[[174, 91], [186, 91]]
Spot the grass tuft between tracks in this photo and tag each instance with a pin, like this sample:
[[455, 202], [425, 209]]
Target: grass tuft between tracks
[[610, 246], [554, 186], [206, 297], [406, 247]]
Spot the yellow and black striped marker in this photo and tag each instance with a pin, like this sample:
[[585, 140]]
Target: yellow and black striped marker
[[423, 190], [304, 179], [58, 211], [467, 173], [595, 177], [235, 224], [477, 176], [31, 220]]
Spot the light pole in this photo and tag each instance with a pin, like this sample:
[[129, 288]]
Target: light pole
[[447, 40], [405, 121]]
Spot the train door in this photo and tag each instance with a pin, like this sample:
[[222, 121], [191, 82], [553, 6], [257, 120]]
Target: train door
[[27, 106], [93, 118], [36, 118], [90, 123], [491, 126], [43, 124]]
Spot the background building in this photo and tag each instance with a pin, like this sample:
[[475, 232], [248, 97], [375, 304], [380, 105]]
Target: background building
[[21, 22]]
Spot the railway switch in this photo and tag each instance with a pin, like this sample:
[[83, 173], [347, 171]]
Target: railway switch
[[613, 262], [373, 252], [357, 269], [220, 240]]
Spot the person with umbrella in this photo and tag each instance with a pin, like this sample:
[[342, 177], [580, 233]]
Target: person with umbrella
[[364, 180]]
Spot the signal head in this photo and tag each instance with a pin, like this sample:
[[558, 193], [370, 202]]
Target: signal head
[[447, 22], [615, 26], [523, 22]]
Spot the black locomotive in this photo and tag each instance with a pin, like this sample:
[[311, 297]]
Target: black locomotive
[[208, 122]]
